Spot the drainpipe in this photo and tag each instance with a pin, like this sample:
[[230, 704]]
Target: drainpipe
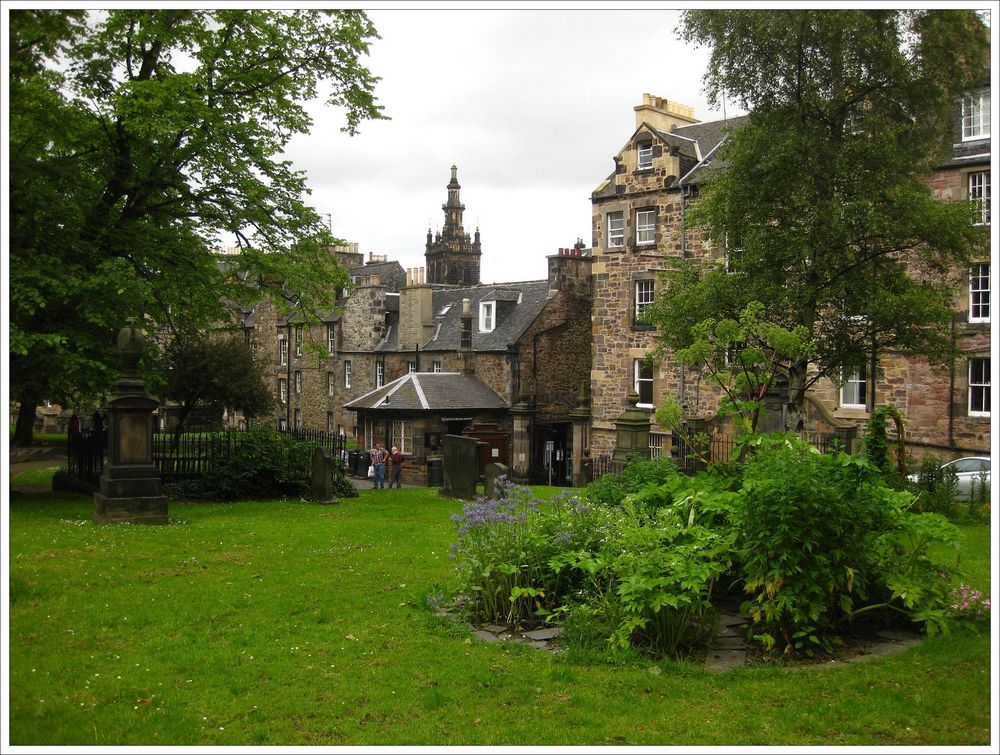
[[951, 389]]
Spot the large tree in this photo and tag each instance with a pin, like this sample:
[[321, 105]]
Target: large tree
[[141, 141], [216, 373], [820, 196]]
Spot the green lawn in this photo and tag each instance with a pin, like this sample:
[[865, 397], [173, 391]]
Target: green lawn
[[289, 623]]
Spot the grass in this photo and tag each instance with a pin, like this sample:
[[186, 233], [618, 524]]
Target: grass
[[36, 478], [289, 623]]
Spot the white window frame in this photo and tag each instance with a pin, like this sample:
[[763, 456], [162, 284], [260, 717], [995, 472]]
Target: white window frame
[[330, 422], [487, 316], [976, 116], [298, 419], [979, 292], [283, 423], [644, 155], [645, 227], [644, 295], [283, 390], [282, 351], [979, 386], [854, 385], [659, 443], [616, 235], [298, 340], [331, 383], [411, 367], [402, 432], [331, 338], [436, 365], [638, 366], [979, 192], [379, 374], [347, 373], [298, 382]]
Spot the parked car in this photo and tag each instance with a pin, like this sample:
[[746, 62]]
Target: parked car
[[969, 471]]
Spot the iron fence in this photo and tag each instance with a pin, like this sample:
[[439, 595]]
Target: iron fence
[[188, 455], [85, 455]]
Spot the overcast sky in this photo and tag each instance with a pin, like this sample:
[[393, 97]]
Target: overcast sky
[[531, 105]]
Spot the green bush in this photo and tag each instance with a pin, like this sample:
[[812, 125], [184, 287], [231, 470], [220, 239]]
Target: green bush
[[610, 490], [935, 488], [821, 538], [267, 464]]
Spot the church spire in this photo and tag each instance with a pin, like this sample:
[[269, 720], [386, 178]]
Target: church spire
[[453, 208], [453, 257]]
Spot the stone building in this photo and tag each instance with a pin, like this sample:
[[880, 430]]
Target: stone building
[[526, 343], [639, 224]]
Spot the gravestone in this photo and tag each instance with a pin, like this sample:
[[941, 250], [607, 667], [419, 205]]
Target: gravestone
[[130, 482], [492, 472], [461, 467], [322, 478]]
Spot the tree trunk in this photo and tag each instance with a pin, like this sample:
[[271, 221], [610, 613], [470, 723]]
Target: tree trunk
[[24, 429]]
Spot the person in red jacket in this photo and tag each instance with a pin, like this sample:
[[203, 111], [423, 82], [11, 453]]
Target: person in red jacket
[[395, 467]]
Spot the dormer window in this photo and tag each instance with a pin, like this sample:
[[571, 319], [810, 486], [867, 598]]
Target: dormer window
[[645, 155], [487, 316], [976, 116]]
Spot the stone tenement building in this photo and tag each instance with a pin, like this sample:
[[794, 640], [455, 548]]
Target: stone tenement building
[[638, 224], [526, 343]]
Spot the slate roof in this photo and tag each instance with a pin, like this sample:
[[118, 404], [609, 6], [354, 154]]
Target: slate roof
[[517, 306], [391, 274], [430, 391]]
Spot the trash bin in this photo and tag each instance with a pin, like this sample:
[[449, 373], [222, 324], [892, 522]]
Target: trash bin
[[435, 473], [363, 463], [352, 462]]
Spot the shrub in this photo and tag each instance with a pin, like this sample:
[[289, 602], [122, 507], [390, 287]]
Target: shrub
[[266, 464], [822, 539], [610, 490], [935, 488]]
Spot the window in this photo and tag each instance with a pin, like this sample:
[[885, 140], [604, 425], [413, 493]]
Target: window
[[616, 229], [282, 351], [402, 431], [643, 383], [979, 192], [659, 444], [976, 116], [298, 419], [330, 422], [347, 373], [643, 297], [436, 365], [283, 390], [298, 382], [645, 227], [331, 338], [854, 390], [283, 424], [331, 383], [411, 367], [979, 387], [645, 159], [486, 319], [253, 347], [979, 293], [379, 374], [298, 340]]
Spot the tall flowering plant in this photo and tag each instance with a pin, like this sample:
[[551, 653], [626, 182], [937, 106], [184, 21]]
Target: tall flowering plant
[[504, 547]]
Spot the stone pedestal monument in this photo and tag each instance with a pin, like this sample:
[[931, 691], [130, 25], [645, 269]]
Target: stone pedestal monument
[[130, 483]]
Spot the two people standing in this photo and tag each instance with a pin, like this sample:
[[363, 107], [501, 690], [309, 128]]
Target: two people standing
[[379, 457]]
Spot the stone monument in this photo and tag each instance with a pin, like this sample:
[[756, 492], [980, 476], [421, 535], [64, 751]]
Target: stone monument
[[130, 483], [461, 467]]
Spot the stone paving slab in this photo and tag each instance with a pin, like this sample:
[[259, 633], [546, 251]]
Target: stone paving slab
[[732, 620], [724, 660], [543, 634]]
